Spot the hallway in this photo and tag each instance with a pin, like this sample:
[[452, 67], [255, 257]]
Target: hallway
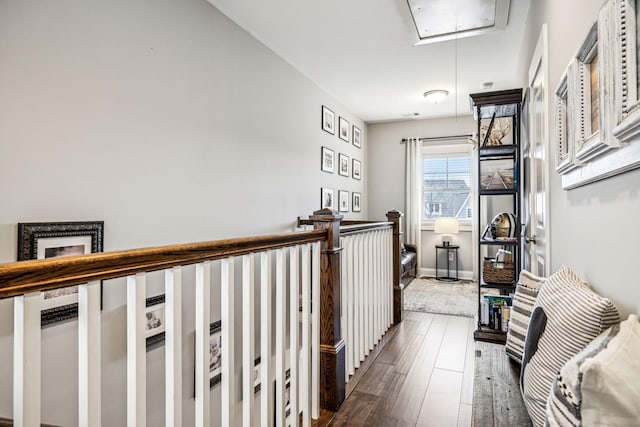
[[423, 377]]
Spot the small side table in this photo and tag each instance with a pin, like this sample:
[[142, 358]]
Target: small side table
[[451, 249]]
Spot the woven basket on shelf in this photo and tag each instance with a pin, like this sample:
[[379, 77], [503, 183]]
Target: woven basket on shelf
[[497, 272]]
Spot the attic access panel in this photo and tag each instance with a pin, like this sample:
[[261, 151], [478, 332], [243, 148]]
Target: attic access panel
[[439, 20]]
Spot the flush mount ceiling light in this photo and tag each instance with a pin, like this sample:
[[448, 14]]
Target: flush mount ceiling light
[[439, 20], [436, 96]]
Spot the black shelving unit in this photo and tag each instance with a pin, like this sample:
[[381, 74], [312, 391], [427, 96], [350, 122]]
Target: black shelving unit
[[492, 110]]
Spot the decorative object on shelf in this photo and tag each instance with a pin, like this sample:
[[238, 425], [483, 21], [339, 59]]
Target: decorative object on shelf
[[497, 116], [155, 325], [497, 174], [343, 129], [343, 201], [328, 160], [343, 164], [355, 169], [355, 205], [503, 225], [40, 240], [446, 226], [215, 353], [495, 131], [326, 198], [328, 120], [356, 136]]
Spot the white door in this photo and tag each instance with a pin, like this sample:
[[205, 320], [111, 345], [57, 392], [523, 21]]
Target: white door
[[535, 149]]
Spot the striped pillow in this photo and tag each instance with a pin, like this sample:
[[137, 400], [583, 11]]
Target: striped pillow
[[567, 315], [523, 301]]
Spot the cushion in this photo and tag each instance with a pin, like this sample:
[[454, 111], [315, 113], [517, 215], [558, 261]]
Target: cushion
[[601, 384], [525, 297], [567, 315]]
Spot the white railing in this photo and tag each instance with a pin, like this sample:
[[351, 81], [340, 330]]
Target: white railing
[[367, 297], [256, 269]]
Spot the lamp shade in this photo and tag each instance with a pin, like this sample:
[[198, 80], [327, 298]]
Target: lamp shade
[[446, 225]]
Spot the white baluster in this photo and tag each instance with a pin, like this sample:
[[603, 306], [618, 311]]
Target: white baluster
[[315, 331], [203, 309], [136, 351], [294, 299], [360, 297], [248, 336], [228, 342], [89, 367], [305, 379], [26, 360], [266, 377], [173, 346], [280, 334]]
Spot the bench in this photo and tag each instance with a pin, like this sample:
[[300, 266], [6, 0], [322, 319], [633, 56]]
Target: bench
[[497, 400]]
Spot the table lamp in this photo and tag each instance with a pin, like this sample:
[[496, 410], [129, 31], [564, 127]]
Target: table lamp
[[446, 226]]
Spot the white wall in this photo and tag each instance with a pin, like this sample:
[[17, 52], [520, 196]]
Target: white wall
[[386, 157], [594, 229], [168, 122]]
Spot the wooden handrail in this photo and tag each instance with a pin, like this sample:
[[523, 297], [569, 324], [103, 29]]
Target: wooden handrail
[[24, 277], [359, 228], [302, 221]]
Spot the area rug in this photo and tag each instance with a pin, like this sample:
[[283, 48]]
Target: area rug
[[434, 296]]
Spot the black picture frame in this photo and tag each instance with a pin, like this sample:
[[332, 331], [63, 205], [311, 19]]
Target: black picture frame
[[327, 198], [328, 120], [355, 169], [40, 240], [344, 128], [356, 136], [343, 164], [155, 326], [328, 160], [343, 201], [257, 369], [356, 201], [215, 353]]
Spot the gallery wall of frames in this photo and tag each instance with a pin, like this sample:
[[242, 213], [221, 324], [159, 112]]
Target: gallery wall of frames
[[348, 167], [597, 117]]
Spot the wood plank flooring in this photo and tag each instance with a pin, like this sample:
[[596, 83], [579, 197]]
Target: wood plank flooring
[[422, 377]]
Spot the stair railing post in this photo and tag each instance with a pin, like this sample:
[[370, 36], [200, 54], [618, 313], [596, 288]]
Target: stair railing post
[[332, 346], [398, 288]]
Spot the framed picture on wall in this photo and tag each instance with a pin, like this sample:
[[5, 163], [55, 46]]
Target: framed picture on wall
[[327, 199], [343, 201], [343, 168], [328, 160], [215, 353], [328, 121], [355, 134], [355, 170], [40, 240], [343, 129], [155, 323], [355, 202]]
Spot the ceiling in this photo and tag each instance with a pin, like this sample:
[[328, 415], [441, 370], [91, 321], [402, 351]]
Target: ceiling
[[362, 53]]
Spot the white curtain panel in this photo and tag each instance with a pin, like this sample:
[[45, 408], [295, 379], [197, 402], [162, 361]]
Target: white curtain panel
[[413, 194]]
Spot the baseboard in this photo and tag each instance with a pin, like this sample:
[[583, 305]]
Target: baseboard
[[431, 272]]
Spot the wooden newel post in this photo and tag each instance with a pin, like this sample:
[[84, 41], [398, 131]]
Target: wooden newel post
[[332, 346], [398, 288]]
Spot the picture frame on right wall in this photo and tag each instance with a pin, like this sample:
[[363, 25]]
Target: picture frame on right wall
[[328, 120], [356, 200], [343, 129], [343, 201], [328, 160], [356, 135], [355, 169]]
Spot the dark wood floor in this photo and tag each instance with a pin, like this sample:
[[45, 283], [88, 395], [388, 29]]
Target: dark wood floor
[[422, 377]]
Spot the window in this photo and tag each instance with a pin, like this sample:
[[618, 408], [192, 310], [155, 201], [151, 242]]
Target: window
[[446, 186]]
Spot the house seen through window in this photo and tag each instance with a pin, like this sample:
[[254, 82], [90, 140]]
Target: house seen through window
[[446, 187]]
